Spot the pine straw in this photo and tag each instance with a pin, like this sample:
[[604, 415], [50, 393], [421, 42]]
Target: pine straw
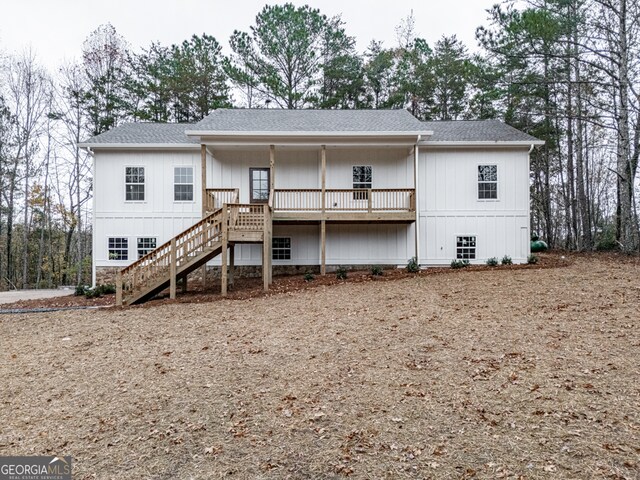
[[477, 374]]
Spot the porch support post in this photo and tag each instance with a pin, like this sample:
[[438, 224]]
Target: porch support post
[[323, 223], [225, 246], [203, 172], [184, 284], [324, 177], [232, 260], [323, 247], [416, 158], [266, 249], [172, 270], [272, 167], [203, 272]]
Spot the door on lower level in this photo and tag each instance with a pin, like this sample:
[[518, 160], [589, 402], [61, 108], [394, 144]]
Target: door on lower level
[[259, 185]]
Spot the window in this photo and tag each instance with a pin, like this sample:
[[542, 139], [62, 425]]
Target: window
[[259, 185], [118, 248], [487, 182], [146, 245], [361, 179], [281, 248], [134, 184], [466, 248], [183, 184]]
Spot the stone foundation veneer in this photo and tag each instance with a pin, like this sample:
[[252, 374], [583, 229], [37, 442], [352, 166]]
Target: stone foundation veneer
[[108, 274]]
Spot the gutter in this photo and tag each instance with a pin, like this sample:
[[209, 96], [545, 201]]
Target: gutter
[[130, 146], [428, 143]]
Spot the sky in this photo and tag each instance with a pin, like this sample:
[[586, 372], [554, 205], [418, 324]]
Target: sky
[[56, 29]]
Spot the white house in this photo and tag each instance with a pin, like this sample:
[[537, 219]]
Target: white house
[[307, 188]]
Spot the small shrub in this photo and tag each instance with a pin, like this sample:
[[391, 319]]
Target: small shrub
[[107, 288], [532, 259], [341, 273], [80, 290], [492, 262], [309, 277], [377, 271], [92, 292], [413, 266], [455, 264], [506, 260]]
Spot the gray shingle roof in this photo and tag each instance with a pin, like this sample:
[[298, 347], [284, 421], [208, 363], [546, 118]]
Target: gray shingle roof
[[246, 120], [266, 120], [140, 133], [475, 131]]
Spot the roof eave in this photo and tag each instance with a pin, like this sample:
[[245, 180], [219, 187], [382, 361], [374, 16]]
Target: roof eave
[[216, 133], [181, 146], [477, 143]]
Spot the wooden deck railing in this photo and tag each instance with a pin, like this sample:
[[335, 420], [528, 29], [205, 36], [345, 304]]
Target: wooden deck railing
[[215, 198], [247, 217], [345, 200], [168, 259]]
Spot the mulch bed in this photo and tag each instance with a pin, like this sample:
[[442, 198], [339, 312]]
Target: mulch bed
[[246, 288]]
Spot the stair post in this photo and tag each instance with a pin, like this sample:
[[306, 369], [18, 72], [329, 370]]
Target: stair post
[[119, 288], [225, 237], [266, 250], [173, 270]]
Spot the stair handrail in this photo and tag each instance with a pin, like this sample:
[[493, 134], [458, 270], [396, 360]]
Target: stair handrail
[[127, 278]]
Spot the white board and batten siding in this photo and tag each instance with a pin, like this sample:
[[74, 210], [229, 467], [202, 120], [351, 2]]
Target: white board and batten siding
[[449, 206], [157, 216], [302, 168]]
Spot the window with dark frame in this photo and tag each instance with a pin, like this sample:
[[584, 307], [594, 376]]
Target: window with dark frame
[[361, 180], [487, 182], [183, 184], [466, 247], [134, 184], [259, 185], [281, 248], [146, 245], [118, 248]]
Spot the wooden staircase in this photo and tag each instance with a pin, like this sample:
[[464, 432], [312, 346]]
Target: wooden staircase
[[193, 248]]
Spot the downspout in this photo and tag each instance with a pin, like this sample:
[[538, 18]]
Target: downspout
[[528, 249], [93, 221], [417, 198]]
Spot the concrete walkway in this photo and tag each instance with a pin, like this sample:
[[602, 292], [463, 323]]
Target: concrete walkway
[[17, 295]]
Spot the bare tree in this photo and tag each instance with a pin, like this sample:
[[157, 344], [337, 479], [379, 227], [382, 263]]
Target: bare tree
[[28, 89], [70, 110]]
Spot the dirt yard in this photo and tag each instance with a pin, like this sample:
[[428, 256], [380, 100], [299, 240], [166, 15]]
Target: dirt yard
[[523, 373]]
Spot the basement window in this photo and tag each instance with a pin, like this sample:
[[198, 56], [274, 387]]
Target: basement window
[[361, 180], [466, 248], [183, 184], [118, 248], [487, 182], [146, 245], [281, 248]]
